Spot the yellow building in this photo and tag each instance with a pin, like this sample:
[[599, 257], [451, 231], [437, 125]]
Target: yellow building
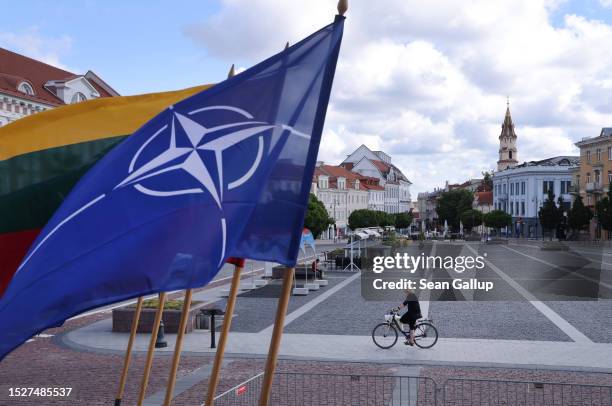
[[593, 178]]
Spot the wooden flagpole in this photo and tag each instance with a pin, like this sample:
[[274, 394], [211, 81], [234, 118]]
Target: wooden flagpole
[[277, 333], [128, 351], [213, 381], [149, 361], [177, 347]]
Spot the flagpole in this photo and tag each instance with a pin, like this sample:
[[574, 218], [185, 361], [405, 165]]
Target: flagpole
[[277, 333], [128, 351], [149, 361], [213, 381], [177, 347]]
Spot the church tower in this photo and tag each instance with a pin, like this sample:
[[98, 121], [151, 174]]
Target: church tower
[[507, 143]]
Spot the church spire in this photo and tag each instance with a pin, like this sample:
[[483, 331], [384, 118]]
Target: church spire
[[507, 142], [508, 125]]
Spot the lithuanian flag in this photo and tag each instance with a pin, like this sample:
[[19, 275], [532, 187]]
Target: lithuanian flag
[[43, 156]]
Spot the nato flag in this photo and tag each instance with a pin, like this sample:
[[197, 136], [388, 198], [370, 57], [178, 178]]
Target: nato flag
[[224, 173]]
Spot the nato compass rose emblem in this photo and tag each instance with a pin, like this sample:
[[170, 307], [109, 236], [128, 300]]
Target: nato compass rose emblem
[[185, 160]]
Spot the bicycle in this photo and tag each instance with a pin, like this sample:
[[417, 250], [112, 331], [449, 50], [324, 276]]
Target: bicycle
[[385, 334]]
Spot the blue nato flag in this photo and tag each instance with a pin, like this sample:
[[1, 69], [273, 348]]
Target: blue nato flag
[[224, 173]]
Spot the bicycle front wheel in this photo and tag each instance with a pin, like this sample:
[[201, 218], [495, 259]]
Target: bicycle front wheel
[[425, 335], [384, 335]]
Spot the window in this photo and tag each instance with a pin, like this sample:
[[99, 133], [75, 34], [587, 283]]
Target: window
[[588, 176], [597, 180], [522, 187], [548, 185], [588, 155], [516, 211], [598, 154], [78, 97], [26, 88], [522, 208], [609, 177], [565, 186], [609, 153], [511, 189]]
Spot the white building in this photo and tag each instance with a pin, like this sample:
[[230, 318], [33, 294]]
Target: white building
[[342, 192], [378, 164], [520, 191], [28, 86]]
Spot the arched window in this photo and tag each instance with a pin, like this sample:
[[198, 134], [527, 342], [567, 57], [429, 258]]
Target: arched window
[[510, 154], [26, 88], [78, 97]]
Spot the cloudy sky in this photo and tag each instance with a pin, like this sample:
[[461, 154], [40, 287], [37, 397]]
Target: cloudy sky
[[424, 81]]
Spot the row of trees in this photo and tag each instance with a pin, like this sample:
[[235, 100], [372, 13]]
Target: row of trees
[[374, 218], [455, 207], [317, 219]]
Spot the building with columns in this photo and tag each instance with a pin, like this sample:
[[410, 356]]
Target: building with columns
[[508, 157], [28, 86], [520, 191]]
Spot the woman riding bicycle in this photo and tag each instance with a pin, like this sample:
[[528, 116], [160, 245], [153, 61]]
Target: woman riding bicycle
[[412, 314]]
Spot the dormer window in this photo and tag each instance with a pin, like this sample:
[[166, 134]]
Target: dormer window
[[78, 97], [26, 88]]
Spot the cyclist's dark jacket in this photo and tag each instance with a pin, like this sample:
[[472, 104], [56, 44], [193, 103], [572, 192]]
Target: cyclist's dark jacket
[[414, 310]]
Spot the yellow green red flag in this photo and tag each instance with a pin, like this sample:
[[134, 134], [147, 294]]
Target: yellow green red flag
[[44, 155]]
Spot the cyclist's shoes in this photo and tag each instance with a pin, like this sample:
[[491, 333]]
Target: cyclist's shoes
[[407, 342]]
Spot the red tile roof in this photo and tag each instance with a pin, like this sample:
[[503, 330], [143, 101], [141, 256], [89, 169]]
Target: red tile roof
[[484, 198], [16, 68]]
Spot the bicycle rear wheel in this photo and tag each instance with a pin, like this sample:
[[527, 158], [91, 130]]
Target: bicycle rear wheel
[[425, 335], [384, 335]]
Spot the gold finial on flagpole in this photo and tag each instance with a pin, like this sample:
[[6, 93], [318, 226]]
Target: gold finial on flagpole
[[231, 72], [342, 7]]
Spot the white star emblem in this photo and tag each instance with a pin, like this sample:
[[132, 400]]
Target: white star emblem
[[193, 164]]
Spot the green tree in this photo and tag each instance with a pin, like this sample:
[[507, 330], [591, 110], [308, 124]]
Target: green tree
[[451, 204], [579, 215], [316, 219], [550, 215], [362, 218], [487, 182], [471, 218], [497, 219], [384, 219], [603, 208], [402, 220]]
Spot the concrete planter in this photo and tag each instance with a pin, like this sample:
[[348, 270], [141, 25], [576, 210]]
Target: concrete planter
[[122, 319]]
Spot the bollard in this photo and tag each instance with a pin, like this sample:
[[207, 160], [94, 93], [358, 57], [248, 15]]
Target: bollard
[[161, 339], [212, 331]]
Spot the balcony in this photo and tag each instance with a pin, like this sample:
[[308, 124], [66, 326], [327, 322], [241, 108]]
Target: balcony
[[593, 187]]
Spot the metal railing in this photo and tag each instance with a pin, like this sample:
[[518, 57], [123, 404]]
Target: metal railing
[[245, 394], [309, 389], [297, 389], [485, 392]]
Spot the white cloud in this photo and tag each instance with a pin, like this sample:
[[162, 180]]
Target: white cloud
[[32, 44], [606, 3], [427, 81]]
